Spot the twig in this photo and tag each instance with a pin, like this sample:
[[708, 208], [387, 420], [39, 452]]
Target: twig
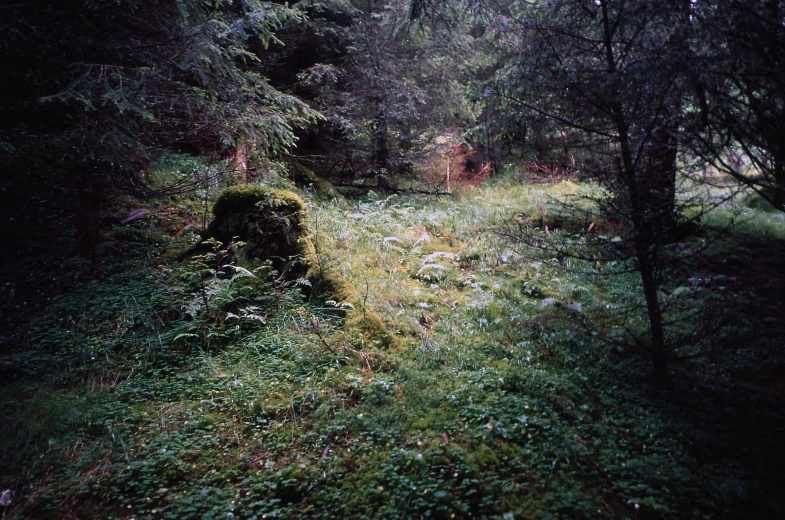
[[317, 330]]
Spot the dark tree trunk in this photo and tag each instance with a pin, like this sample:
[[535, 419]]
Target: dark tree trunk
[[646, 212], [87, 229], [640, 214], [523, 135], [657, 184], [490, 144], [779, 183], [650, 286], [659, 360], [381, 145]]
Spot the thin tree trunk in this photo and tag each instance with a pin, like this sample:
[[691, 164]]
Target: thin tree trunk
[[650, 286], [381, 152], [448, 171], [524, 135], [643, 242], [779, 183], [87, 228], [658, 184]]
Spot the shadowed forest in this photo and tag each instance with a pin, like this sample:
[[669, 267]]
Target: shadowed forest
[[500, 259]]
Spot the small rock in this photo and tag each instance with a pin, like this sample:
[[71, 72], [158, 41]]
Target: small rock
[[678, 291]]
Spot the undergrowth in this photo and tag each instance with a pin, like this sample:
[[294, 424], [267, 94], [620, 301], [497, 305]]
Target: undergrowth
[[202, 389]]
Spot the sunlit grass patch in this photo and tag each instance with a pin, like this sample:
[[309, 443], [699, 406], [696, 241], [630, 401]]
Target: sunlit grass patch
[[726, 205], [748, 221]]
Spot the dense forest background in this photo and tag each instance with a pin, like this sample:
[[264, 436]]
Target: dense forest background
[[394, 258]]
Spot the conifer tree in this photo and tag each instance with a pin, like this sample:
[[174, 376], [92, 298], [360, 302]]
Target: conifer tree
[[92, 90]]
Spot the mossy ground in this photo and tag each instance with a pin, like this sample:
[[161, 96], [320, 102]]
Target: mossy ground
[[306, 179], [461, 396]]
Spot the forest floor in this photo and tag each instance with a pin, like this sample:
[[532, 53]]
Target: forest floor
[[508, 391]]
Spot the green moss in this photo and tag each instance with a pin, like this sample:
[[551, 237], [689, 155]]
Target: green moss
[[326, 190], [303, 177], [328, 283], [249, 197], [269, 221], [353, 192], [373, 329], [485, 457], [300, 174]]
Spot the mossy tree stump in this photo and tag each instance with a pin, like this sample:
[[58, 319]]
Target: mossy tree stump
[[269, 221]]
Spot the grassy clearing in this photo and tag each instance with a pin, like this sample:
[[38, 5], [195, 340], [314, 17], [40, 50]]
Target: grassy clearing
[[129, 397], [725, 204]]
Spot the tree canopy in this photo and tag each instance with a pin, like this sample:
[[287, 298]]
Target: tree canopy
[[96, 89]]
